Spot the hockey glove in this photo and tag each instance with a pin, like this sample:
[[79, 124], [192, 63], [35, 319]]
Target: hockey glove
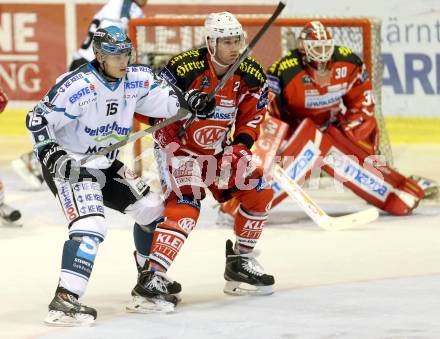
[[168, 134], [197, 102], [3, 100], [60, 165], [360, 129], [236, 166]]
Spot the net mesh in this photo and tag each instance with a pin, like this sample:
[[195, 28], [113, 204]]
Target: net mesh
[[158, 39]]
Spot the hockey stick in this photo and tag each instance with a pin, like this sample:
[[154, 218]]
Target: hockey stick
[[181, 114], [242, 57], [321, 218]]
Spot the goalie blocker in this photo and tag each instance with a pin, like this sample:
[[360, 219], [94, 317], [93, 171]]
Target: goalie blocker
[[309, 150]]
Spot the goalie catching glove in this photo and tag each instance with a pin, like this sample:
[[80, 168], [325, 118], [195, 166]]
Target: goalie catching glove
[[56, 160]]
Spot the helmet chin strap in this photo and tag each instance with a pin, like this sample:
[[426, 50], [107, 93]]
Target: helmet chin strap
[[214, 59]]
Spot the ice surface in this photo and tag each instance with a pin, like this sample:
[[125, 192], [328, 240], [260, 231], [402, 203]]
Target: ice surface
[[377, 281]]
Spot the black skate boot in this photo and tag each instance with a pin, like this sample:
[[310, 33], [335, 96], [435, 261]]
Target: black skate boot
[[173, 286], [138, 267], [65, 310], [9, 216], [154, 292], [244, 275]]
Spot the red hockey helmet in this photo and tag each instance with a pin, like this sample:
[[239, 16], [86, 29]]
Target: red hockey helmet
[[316, 42]]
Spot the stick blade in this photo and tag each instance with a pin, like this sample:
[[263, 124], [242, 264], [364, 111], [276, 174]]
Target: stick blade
[[351, 220]]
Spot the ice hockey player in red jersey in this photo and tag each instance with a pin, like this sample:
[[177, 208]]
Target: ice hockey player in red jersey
[[324, 93], [8, 215], [214, 154]]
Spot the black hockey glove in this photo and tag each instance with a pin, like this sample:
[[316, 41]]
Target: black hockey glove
[[55, 159], [197, 104]]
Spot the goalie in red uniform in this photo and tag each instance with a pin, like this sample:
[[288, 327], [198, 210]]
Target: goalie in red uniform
[[323, 92], [214, 154]]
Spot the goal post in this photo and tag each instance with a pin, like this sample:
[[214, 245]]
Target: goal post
[[157, 39]]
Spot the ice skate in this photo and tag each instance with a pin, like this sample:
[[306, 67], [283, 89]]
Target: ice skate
[[154, 293], [244, 275], [9, 216], [65, 310]]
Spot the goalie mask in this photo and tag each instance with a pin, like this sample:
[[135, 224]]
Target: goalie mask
[[221, 26], [316, 43]]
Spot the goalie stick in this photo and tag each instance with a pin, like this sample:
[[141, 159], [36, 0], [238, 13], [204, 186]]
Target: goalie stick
[[316, 213]]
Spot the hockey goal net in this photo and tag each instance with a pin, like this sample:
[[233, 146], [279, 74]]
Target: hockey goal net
[[157, 39]]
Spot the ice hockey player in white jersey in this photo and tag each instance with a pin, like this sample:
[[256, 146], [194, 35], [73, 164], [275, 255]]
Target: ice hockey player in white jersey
[[88, 109], [113, 13]]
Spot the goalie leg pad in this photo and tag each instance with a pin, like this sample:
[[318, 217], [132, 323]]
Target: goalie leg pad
[[372, 180], [300, 154], [181, 215], [405, 198]]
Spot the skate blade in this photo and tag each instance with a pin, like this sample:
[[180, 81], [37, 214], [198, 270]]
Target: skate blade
[[149, 305], [243, 289], [60, 319]]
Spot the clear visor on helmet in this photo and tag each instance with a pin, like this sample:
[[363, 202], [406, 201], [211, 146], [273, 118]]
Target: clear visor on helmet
[[119, 48], [234, 40]]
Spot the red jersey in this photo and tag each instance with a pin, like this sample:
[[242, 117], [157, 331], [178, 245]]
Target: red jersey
[[241, 103], [298, 97]]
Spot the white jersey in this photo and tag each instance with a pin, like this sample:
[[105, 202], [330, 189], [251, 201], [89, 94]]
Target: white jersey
[[85, 113], [114, 13]]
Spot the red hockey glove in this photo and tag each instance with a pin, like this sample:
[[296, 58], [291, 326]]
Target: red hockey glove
[[361, 129], [167, 134], [3, 100], [236, 166]]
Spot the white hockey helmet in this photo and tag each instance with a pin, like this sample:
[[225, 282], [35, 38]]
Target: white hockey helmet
[[316, 42], [222, 25]]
